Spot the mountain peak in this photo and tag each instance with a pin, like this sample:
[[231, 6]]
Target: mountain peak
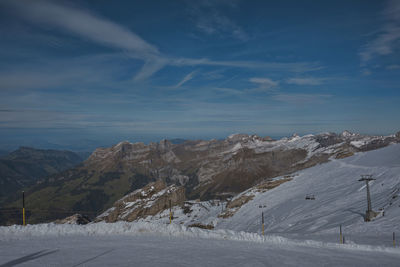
[[123, 143], [347, 133], [295, 135], [165, 144], [237, 137]]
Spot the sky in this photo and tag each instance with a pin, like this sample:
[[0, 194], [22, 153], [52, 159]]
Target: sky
[[81, 74]]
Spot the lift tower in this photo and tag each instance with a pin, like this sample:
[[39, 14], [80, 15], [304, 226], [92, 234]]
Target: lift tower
[[369, 214]]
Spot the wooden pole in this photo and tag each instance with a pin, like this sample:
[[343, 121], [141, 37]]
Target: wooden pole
[[262, 221], [170, 212], [341, 235], [394, 239], [23, 209]]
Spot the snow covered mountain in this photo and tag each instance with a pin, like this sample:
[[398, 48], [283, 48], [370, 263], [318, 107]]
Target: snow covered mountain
[[219, 169], [339, 198], [314, 200], [208, 170]]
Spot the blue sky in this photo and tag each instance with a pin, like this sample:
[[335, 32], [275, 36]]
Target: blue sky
[[85, 73]]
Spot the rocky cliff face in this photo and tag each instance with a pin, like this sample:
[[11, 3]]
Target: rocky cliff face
[[150, 200], [214, 169]]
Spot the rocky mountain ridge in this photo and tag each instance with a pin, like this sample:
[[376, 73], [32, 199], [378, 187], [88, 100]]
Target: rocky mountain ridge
[[200, 164], [213, 169]]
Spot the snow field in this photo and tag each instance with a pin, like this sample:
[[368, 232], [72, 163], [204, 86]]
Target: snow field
[[51, 230], [340, 199]]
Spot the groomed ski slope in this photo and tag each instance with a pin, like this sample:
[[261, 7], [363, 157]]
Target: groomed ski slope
[[339, 199], [146, 244]]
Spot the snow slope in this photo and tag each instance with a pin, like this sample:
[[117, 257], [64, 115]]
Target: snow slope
[[166, 251], [146, 244], [340, 198]]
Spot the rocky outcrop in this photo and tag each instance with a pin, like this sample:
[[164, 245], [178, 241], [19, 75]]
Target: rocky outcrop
[[150, 200], [74, 219]]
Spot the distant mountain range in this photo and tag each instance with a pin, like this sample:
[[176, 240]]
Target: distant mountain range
[[25, 167], [214, 169]]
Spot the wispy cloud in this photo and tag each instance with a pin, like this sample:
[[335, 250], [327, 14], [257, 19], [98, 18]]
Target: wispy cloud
[[277, 66], [301, 98], [306, 81], [104, 32], [210, 20], [94, 28], [86, 25], [60, 73], [214, 74], [385, 40], [151, 66], [187, 78], [264, 83]]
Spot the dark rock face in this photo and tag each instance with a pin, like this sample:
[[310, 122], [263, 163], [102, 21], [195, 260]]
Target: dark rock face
[[328, 139], [214, 169], [378, 143]]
